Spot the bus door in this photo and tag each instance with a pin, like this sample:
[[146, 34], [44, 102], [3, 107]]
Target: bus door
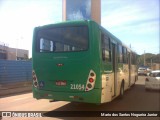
[[129, 68], [114, 64]]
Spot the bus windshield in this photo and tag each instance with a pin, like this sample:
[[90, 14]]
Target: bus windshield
[[63, 39]]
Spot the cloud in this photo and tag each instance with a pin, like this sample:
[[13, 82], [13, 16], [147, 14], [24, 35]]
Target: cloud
[[18, 18], [133, 22], [78, 10], [129, 12]]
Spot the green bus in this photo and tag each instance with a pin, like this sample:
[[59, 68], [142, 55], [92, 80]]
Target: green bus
[[80, 61]]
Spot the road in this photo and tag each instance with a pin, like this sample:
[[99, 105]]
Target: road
[[135, 99]]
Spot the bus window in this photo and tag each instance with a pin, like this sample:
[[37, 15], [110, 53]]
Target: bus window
[[120, 58], [63, 39], [124, 54], [106, 48], [133, 58], [46, 45]]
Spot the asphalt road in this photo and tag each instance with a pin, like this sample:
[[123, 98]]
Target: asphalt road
[[135, 99]]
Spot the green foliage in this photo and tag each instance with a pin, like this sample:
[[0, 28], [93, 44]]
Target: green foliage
[[149, 57]]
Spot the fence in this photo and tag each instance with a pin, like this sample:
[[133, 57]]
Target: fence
[[15, 74]]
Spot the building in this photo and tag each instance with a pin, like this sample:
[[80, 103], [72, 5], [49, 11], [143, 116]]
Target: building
[[154, 66], [3, 51], [7, 53]]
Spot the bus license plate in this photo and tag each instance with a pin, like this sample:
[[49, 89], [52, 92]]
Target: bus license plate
[[61, 83]]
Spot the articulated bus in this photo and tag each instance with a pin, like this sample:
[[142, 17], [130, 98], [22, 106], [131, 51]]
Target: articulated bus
[[80, 61]]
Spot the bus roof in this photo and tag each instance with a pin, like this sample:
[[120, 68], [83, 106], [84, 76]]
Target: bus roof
[[86, 22], [66, 23]]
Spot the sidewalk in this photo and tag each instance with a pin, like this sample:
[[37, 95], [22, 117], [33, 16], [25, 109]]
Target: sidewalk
[[13, 88]]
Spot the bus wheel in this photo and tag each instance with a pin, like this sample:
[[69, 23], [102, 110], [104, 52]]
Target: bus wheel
[[134, 81], [121, 90]]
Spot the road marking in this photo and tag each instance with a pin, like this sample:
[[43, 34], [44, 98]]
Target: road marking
[[21, 98]]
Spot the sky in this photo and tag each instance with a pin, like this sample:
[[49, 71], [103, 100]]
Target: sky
[[135, 22]]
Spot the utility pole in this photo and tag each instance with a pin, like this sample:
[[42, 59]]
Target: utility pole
[[144, 59], [151, 63], [17, 48]]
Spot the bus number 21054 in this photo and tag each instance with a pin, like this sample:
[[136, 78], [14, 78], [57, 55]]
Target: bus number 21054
[[77, 87]]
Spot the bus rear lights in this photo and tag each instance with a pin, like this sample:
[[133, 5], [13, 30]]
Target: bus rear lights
[[92, 74], [35, 84], [33, 73], [90, 81], [89, 85], [34, 77]]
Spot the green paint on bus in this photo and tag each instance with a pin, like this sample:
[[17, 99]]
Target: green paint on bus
[[68, 61]]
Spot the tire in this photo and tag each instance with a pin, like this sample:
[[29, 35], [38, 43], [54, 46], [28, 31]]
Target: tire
[[135, 81], [121, 90]]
